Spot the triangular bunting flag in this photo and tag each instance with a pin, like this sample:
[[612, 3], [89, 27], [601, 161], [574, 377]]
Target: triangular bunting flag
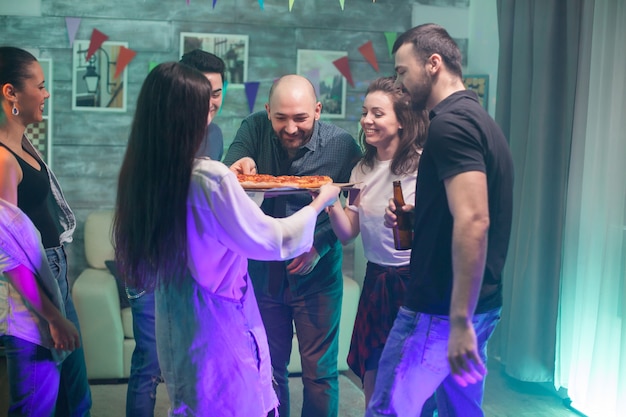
[[97, 39], [252, 88], [343, 66], [367, 50], [291, 4], [391, 38], [72, 24], [341, 2], [314, 77], [123, 58], [214, 3], [261, 5], [151, 65]]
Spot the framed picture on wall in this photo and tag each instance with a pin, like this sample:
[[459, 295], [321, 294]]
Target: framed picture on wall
[[480, 85], [40, 133], [318, 67], [233, 49], [94, 86]]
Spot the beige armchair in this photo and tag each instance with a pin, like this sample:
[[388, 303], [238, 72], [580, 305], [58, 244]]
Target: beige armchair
[[107, 329]]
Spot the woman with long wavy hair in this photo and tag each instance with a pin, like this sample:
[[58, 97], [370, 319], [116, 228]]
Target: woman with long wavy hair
[[392, 134], [185, 228]]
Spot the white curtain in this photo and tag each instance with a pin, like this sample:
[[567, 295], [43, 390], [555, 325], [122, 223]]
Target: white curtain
[[591, 326], [539, 64]]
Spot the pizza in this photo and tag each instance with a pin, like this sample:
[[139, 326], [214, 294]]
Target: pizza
[[266, 181]]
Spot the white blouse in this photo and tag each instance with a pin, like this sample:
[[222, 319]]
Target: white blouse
[[225, 228]]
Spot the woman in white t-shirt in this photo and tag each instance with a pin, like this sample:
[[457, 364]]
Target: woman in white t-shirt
[[392, 135]]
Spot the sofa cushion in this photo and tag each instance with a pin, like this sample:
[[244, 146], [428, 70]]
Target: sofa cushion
[[98, 308], [98, 242]]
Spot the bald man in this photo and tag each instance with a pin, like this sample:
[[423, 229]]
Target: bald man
[[289, 139]]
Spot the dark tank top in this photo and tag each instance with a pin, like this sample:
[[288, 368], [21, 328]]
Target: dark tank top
[[32, 195]]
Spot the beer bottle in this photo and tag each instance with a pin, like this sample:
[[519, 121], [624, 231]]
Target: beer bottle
[[402, 232]]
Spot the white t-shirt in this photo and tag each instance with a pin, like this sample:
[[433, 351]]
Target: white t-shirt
[[376, 187]]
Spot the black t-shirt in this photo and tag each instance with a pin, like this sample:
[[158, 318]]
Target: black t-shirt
[[32, 194], [462, 137]]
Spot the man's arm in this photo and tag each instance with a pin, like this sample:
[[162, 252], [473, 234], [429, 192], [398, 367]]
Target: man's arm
[[349, 154], [323, 239], [243, 144], [468, 203]]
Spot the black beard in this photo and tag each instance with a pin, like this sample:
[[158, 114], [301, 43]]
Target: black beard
[[419, 96], [418, 106]]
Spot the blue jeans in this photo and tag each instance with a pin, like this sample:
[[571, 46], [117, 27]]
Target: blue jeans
[[33, 378], [74, 397], [145, 372], [414, 364], [316, 317]]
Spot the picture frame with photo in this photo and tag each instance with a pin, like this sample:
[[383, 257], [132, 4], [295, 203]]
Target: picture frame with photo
[[94, 86], [480, 85], [318, 67], [233, 49]]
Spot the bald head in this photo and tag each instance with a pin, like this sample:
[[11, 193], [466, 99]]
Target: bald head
[[297, 86], [293, 110]]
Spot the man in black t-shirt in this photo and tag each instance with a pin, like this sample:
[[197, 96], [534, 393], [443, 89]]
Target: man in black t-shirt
[[463, 209]]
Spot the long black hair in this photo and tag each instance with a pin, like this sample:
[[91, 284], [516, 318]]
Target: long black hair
[[149, 227], [412, 136]]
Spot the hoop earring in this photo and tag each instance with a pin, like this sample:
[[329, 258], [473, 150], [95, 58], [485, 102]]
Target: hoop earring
[[14, 110]]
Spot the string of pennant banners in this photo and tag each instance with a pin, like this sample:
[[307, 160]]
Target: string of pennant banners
[[126, 55], [291, 2]]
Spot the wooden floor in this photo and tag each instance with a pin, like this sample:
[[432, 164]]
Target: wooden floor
[[504, 396], [508, 397]]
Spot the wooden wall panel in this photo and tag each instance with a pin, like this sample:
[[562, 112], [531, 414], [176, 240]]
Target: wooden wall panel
[[159, 10], [358, 15]]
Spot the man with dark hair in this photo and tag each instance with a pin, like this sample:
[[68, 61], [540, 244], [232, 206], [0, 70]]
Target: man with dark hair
[[145, 372], [463, 211], [213, 68]]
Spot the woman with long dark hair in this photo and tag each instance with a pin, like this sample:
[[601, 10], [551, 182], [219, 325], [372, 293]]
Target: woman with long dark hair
[[38, 324], [185, 228]]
